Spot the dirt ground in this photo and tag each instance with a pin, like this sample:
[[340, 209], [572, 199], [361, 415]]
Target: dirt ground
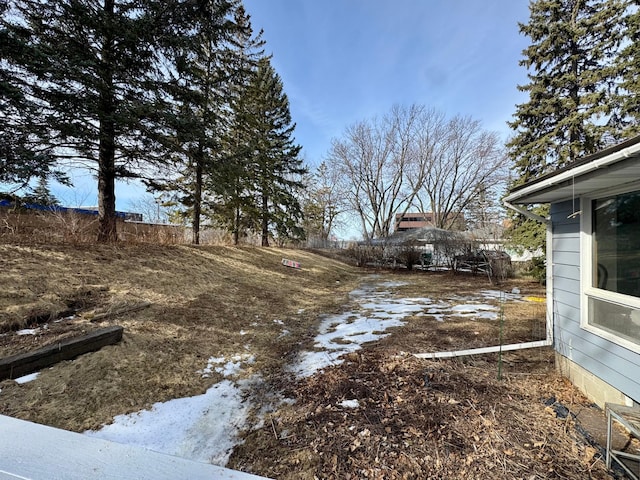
[[414, 418]]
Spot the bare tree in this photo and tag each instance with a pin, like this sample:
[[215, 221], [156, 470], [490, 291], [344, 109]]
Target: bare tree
[[459, 160], [373, 158], [154, 208], [323, 202], [416, 158]]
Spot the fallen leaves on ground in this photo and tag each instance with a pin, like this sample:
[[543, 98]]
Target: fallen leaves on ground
[[421, 419]]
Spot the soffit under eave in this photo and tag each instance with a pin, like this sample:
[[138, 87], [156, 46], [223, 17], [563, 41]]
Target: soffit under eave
[[601, 179]]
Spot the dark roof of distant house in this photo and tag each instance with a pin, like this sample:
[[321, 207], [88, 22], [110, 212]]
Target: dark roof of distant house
[[55, 208]]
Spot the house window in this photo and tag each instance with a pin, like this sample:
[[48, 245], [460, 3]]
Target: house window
[[613, 278]]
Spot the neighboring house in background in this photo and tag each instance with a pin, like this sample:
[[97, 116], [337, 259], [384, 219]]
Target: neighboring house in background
[[593, 269], [411, 221], [127, 216]]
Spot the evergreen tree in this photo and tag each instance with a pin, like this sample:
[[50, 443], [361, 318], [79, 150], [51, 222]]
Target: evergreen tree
[[200, 76], [275, 165], [231, 182], [22, 156], [41, 194], [92, 70], [572, 108], [233, 202], [630, 64], [572, 74]]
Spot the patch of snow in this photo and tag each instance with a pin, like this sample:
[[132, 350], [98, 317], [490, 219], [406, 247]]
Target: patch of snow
[[393, 284], [487, 315], [28, 331], [438, 307], [480, 311], [499, 295], [278, 322], [332, 321], [349, 404], [346, 332], [243, 332], [204, 428], [360, 292], [472, 308], [229, 368], [27, 378], [284, 333]]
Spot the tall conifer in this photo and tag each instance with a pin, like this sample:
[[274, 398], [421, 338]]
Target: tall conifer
[[571, 80], [200, 74], [630, 65], [572, 106], [231, 183], [275, 164], [92, 72], [22, 155]]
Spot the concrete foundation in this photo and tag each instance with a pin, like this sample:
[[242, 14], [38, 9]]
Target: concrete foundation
[[594, 388]]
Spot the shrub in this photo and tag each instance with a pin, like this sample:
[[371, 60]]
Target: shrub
[[538, 269], [409, 255], [364, 254]]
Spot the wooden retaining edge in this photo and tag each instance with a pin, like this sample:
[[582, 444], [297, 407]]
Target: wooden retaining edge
[[25, 363]]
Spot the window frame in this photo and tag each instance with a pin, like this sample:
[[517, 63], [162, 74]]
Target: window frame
[[587, 271]]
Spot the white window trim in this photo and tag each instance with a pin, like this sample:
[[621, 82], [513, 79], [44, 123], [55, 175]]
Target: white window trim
[[586, 288]]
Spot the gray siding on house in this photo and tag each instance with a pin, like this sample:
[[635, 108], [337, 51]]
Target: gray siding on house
[[612, 363]]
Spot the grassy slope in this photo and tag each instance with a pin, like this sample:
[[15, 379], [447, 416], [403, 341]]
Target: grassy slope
[[205, 301]]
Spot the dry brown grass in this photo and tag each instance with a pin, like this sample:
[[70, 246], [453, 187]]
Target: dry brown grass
[[523, 321], [207, 301], [221, 301]]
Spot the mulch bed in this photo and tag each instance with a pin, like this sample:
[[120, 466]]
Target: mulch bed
[[426, 419]]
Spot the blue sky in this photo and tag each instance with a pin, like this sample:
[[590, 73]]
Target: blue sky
[[342, 61], [347, 60]]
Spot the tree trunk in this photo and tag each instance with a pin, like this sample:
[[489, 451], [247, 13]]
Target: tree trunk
[[236, 226], [197, 200], [265, 221], [107, 231]]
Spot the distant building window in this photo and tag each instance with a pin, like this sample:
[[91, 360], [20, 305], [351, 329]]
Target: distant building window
[[612, 276]]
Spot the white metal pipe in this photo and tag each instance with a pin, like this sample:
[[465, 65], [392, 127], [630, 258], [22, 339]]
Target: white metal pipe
[[549, 282], [527, 213], [478, 351]]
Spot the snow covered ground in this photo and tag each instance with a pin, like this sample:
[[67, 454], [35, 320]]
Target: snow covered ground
[[207, 427], [203, 428]]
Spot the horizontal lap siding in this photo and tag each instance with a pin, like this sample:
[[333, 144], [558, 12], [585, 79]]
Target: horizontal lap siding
[[612, 363], [566, 271]]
